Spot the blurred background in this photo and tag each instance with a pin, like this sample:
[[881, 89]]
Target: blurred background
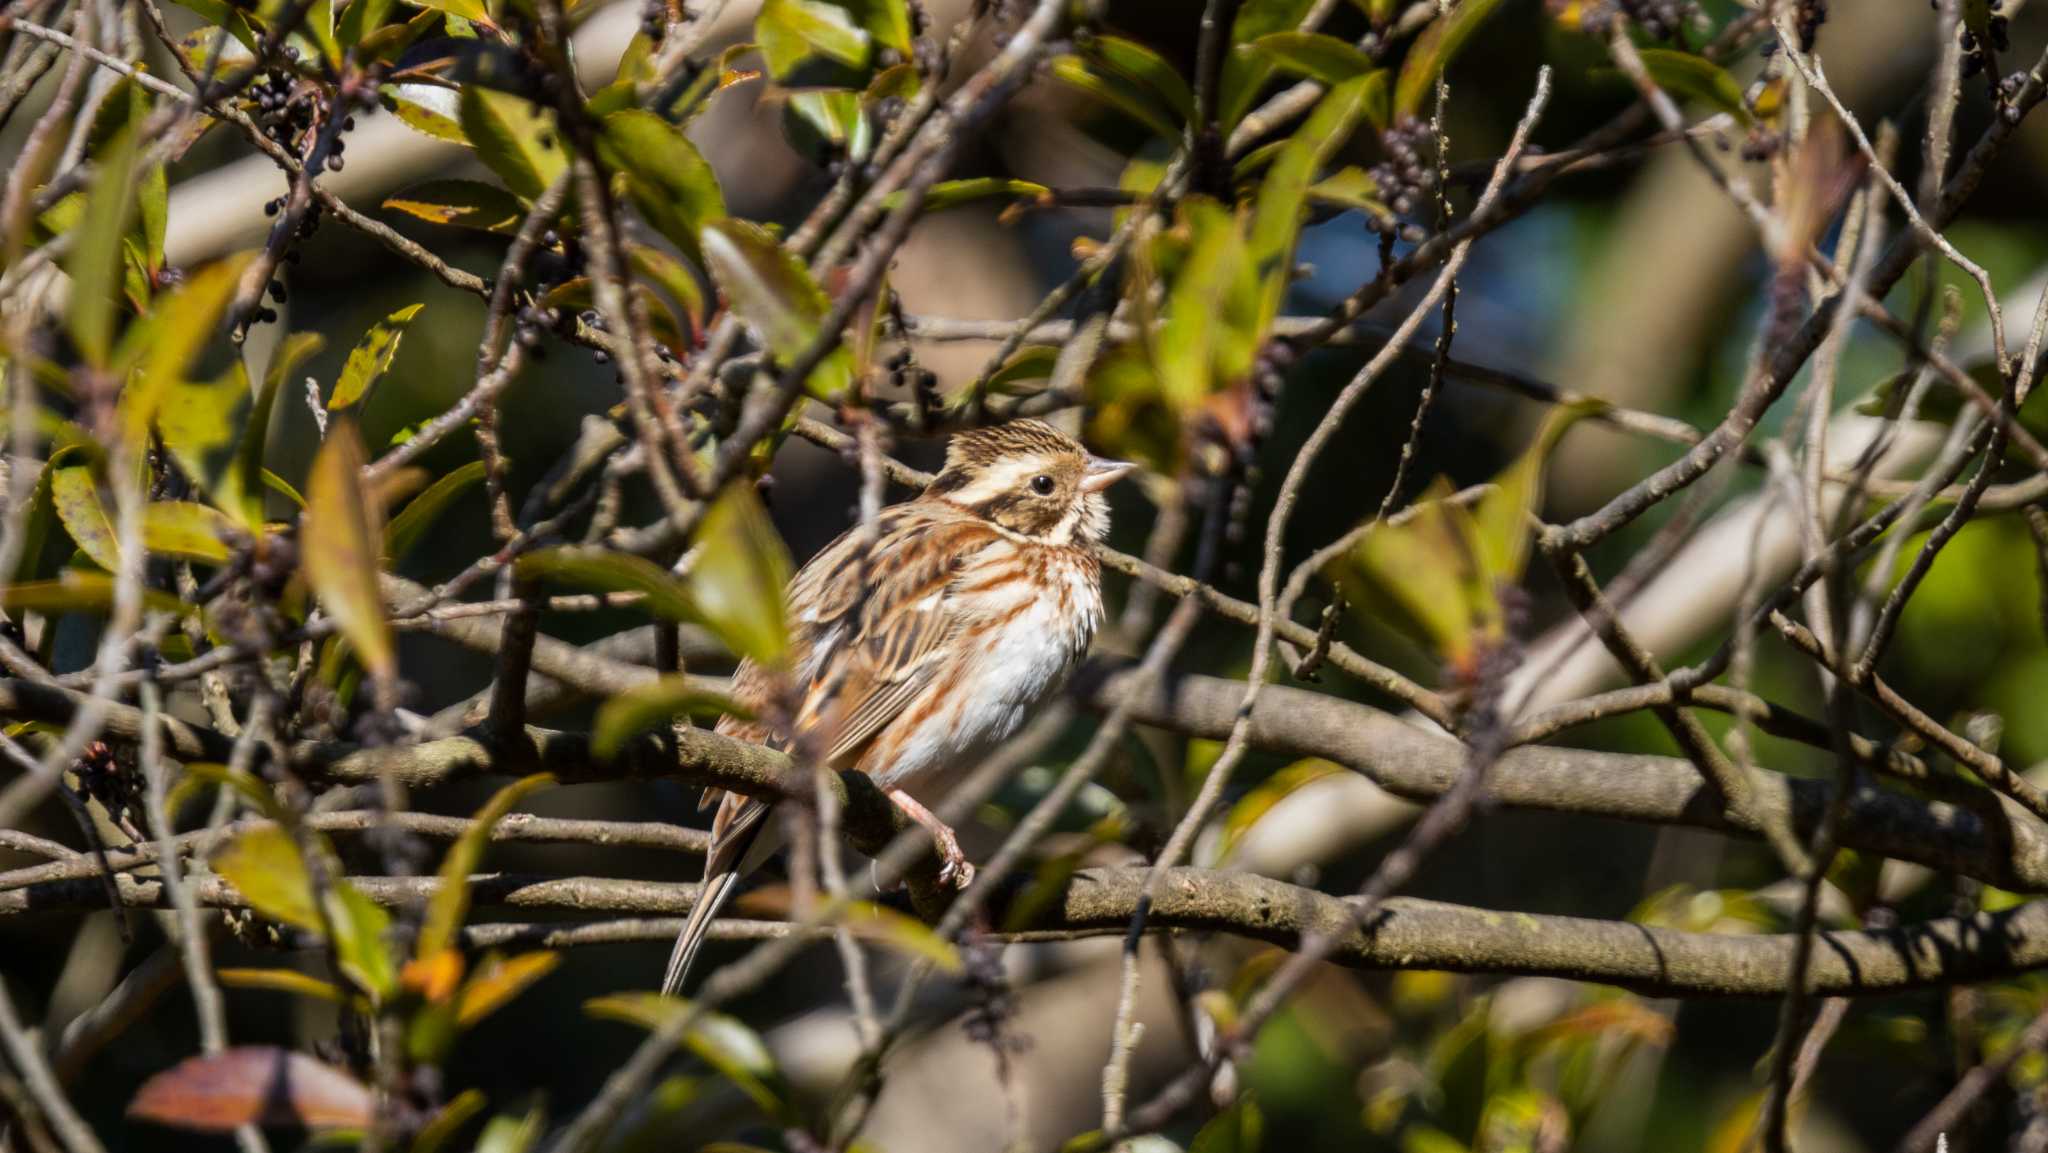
[[1639, 283]]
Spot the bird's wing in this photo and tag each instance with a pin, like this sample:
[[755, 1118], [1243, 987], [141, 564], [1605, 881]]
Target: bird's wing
[[898, 615]]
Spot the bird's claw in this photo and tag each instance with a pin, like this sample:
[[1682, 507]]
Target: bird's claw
[[955, 870]]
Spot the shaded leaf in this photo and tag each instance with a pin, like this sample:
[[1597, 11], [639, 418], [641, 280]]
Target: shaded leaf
[[371, 358], [673, 278], [444, 1125], [1117, 91], [1314, 55], [1212, 328], [514, 138], [1245, 71], [79, 590], [463, 204], [626, 715], [1433, 52], [1283, 194], [94, 262], [253, 1085], [1238, 1129], [337, 543], [768, 288], [419, 514], [1146, 68], [249, 472], [740, 572], [1696, 78], [450, 902], [954, 193]]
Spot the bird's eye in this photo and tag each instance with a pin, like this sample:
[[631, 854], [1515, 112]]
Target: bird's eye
[[1042, 485]]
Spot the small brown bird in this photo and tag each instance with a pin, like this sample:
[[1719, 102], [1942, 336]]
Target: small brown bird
[[921, 641]]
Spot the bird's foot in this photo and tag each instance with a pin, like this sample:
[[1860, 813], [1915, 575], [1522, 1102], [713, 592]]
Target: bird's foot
[[954, 868]]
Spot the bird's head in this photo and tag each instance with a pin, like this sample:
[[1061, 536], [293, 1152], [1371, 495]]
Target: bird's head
[[1031, 479]]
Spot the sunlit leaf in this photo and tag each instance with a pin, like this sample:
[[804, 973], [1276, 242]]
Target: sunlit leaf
[[371, 358], [430, 111], [513, 138], [1283, 194], [667, 178], [1142, 66], [361, 18], [1274, 789], [360, 926], [1503, 514], [420, 513], [253, 1085], [722, 1042], [1212, 328], [338, 546], [740, 572], [498, 980], [471, 10], [789, 31], [1351, 187], [163, 346], [627, 714], [463, 204], [768, 288], [283, 981], [1433, 52], [75, 493], [887, 22], [450, 902], [444, 1125], [264, 865], [198, 427], [823, 123], [954, 193], [184, 529], [507, 1134], [82, 591]]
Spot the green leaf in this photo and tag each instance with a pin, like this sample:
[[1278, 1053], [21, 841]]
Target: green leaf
[[791, 31], [1314, 55], [359, 928], [165, 344], [768, 288], [667, 596], [514, 138], [954, 193], [507, 1134], [318, 26], [1696, 78], [1144, 67], [371, 358], [197, 424], [672, 277], [739, 575], [462, 203], [1212, 328], [1503, 514], [667, 178], [901, 932], [887, 22], [283, 981], [626, 715], [825, 122], [1430, 566], [1117, 91], [338, 552], [265, 867], [498, 980], [722, 1042], [1353, 188], [1245, 72], [1433, 52], [1238, 1129], [246, 500], [419, 513], [471, 10], [183, 529], [444, 1125], [429, 111], [1033, 362], [360, 19], [76, 495], [94, 262], [82, 591], [1283, 194], [450, 902]]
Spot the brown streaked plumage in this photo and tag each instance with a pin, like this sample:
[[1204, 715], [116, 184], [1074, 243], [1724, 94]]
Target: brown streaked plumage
[[922, 640]]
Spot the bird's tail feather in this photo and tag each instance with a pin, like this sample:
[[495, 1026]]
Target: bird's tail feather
[[728, 861]]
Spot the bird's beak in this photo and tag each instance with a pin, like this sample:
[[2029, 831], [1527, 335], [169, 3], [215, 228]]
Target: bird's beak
[[1103, 472]]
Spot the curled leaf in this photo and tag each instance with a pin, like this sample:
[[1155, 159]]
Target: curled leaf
[[371, 358], [450, 902]]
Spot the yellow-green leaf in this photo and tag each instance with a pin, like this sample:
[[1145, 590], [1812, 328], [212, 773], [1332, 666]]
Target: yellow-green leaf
[[76, 495], [1260, 801], [371, 358], [790, 31], [165, 344], [450, 902], [722, 1042], [360, 925], [444, 1125], [283, 981], [499, 979], [184, 529], [626, 715], [265, 867], [666, 595], [94, 262], [514, 138], [339, 551], [905, 934], [197, 424], [667, 178], [740, 572], [1314, 55], [462, 203]]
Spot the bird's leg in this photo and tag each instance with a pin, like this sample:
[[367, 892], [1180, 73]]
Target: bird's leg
[[957, 870]]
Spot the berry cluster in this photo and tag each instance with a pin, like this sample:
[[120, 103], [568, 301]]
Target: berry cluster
[[1658, 19], [1978, 56], [280, 112], [1807, 17], [1407, 174]]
